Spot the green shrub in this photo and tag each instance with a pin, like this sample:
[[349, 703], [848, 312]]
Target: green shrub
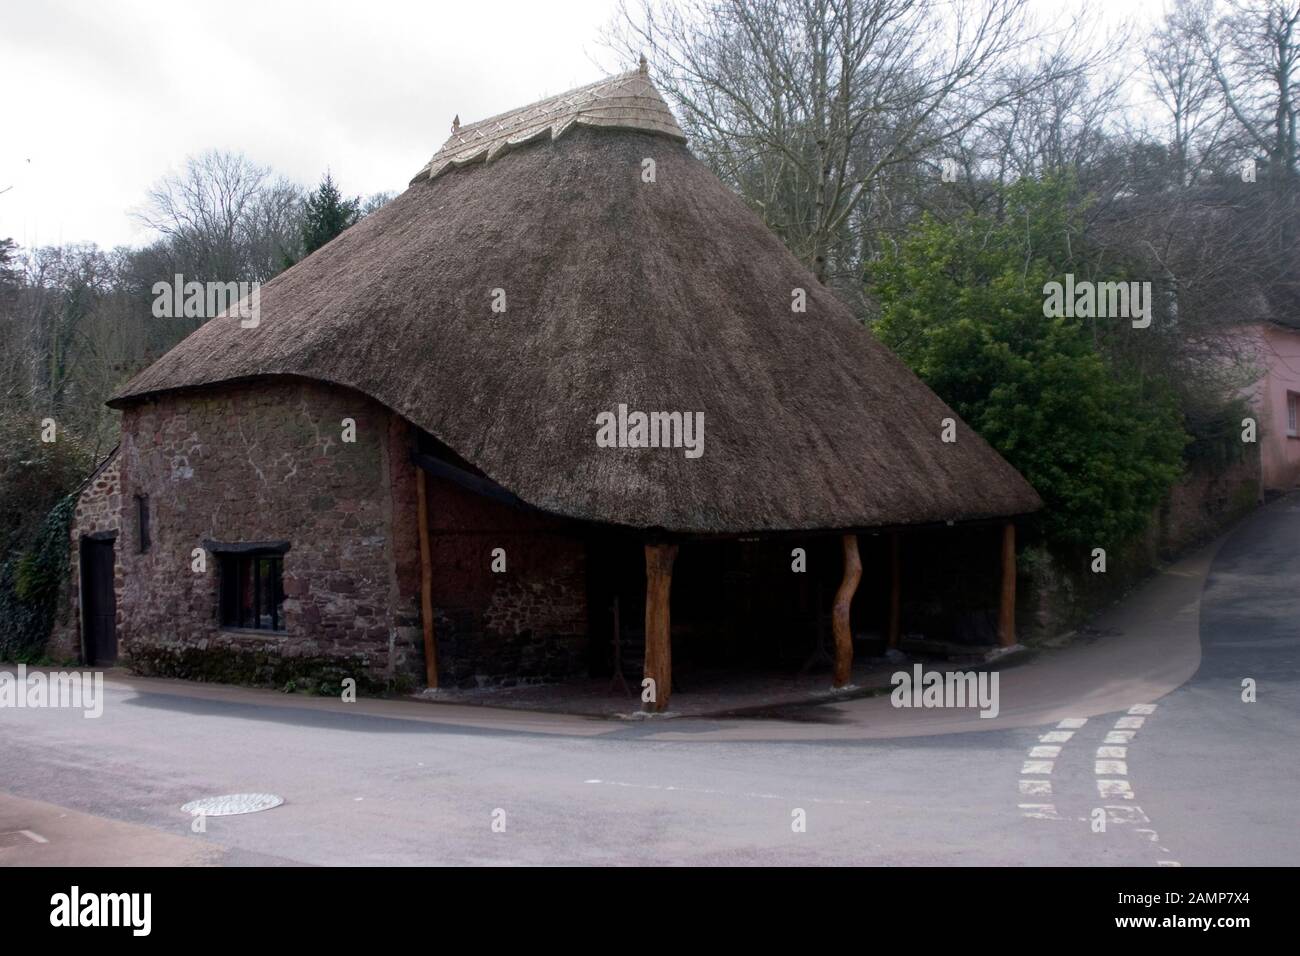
[[962, 304], [30, 581]]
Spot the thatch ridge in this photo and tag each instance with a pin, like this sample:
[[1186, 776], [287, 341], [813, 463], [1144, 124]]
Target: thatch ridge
[[626, 101], [666, 296]]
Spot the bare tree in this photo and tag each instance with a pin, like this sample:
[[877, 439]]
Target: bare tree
[[1253, 53], [1183, 81], [807, 106], [224, 218]]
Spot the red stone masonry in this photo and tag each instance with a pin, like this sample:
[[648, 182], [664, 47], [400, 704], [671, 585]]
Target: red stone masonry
[[262, 463], [266, 462]]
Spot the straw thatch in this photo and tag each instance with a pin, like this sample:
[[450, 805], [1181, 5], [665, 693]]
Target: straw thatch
[[665, 296]]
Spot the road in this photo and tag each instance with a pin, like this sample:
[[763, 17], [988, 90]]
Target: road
[[1144, 728]]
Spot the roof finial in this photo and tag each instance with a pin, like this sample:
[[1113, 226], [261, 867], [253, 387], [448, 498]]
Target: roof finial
[[455, 124], [643, 65]]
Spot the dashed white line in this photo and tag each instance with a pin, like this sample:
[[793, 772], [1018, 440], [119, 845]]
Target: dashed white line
[[1112, 763], [1111, 789], [1121, 814]]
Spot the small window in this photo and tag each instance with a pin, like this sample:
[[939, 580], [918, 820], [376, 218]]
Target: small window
[[142, 521], [1292, 413], [252, 590]]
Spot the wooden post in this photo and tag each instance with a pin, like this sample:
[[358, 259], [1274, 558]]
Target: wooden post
[[895, 590], [426, 579], [1007, 611], [840, 614], [658, 622]]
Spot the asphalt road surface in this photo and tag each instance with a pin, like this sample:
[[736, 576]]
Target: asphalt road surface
[[1144, 729]]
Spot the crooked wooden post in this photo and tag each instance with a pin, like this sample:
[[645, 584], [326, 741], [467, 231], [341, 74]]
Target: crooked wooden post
[[895, 590], [426, 579], [840, 614], [1007, 610], [658, 623]]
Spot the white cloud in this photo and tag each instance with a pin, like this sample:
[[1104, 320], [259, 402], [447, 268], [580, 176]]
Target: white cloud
[[106, 98]]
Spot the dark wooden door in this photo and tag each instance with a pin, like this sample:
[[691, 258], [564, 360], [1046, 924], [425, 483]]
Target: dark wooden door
[[99, 605]]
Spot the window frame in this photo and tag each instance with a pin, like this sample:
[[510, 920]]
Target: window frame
[[1293, 414], [238, 565], [142, 523]]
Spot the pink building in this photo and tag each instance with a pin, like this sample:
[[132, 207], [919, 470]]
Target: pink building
[[1276, 398]]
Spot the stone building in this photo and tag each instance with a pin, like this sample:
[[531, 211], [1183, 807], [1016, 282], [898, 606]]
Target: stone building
[[564, 395]]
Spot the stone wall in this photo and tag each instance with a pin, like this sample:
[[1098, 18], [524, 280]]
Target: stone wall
[[266, 462], [527, 623], [1056, 595], [261, 463], [99, 511]]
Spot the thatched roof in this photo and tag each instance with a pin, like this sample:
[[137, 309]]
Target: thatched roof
[[664, 296], [626, 101]]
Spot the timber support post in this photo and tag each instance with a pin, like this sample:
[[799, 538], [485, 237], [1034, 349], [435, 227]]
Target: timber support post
[[1007, 608], [895, 589], [426, 578], [840, 624], [658, 625]]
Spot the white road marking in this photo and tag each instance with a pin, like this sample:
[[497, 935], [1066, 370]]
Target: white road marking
[[1045, 752], [33, 836], [1167, 863], [1142, 709], [1117, 767], [1115, 788], [1121, 736], [1035, 787], [1037, 766], [1040, 811], [1056, 736], [1130, 723], [1072, 723], [1113, 753], [1126, 815]]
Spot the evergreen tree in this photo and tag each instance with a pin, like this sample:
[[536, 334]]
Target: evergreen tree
[[326, 215]]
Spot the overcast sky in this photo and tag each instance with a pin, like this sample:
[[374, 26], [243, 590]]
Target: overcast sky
[[105, 96]]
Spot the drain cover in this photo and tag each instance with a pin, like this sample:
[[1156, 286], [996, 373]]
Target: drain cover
[[232, 803]]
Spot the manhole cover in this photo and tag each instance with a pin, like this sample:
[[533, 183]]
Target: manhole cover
[[232, 803]]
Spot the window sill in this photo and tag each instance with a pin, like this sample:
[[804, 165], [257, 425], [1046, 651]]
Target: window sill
[[251, 632]]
